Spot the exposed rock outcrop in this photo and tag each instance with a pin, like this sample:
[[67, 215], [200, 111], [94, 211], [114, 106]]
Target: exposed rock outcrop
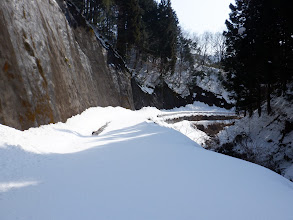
[[165, 98], [50, 68]]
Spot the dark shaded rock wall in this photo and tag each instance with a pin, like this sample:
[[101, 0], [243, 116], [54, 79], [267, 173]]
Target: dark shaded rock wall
[[50, 69], [165, 98]]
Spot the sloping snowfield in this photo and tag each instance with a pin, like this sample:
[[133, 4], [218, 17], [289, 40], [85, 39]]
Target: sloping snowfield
[[134, 170]]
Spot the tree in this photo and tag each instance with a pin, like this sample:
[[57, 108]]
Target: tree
[[142, 27], [128, 24], [258, 51], [185, 54], [240, 57], [218, 46], [149, 41], [168, 31], [205, 46]]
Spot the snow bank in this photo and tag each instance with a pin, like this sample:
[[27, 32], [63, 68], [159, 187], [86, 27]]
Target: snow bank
[[200, 107], [135, 169], [265, 138]]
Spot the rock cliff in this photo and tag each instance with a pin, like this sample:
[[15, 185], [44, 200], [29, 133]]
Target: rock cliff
[[52, 66]]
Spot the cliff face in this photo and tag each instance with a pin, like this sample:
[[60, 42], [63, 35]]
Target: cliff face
[[164, 97], [52, 66]]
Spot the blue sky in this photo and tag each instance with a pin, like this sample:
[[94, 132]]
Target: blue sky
[[202, 15]]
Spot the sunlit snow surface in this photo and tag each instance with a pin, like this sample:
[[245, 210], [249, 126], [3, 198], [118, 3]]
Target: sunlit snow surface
[[137, 168]]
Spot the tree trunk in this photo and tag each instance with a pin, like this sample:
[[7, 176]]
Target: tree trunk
[[259, 100], [250, 110], [269, 109]]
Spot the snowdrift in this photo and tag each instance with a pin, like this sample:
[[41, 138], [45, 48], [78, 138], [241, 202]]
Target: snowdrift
[[135, 169]]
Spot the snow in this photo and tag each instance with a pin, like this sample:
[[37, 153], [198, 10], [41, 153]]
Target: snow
[[211, 82], [4, 187], [266, 140], [241, 30], [289, 172], [147, 75], [147, 90], [135, 169], [200, 107]]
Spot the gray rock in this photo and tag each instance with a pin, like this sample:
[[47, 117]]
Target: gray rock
[[51, 69]]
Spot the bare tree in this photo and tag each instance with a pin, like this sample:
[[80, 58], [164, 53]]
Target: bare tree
[[204, 43], [218, 45], [210, 45]]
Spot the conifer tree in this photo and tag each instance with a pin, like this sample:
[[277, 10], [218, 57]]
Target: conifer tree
[[168, 26], [128, 23], [149, 41], [259, 51], [144, 27]]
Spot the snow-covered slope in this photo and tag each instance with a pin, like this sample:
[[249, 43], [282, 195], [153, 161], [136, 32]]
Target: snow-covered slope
[[211, 81], [265, 140], [135, 169]]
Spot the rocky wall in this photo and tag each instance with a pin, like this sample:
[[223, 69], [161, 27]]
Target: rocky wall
[[51, 69]]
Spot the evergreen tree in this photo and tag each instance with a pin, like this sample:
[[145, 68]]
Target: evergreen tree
[[128, 24], [149, 41], [168, 31], [258, 55], [237, 52], [144, 27]]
